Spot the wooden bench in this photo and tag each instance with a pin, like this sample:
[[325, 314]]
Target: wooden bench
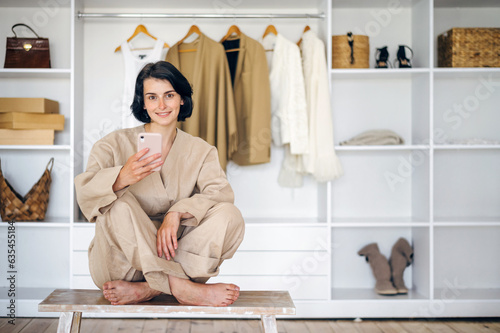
[[73, 302]]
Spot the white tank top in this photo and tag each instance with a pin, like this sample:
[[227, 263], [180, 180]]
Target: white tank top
[[134, 61]]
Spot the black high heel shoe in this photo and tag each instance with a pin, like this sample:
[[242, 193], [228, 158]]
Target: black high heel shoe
[[403, 61], [381, 57]]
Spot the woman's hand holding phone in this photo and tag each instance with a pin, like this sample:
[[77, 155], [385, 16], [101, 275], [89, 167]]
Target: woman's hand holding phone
[[141, 164], [135, 169]]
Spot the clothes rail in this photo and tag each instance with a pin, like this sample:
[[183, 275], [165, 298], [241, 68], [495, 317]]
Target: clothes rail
[[194, 16]]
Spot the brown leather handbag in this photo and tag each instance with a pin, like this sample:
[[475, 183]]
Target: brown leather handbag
[[27, 52]]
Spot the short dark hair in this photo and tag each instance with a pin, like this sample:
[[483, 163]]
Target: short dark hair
[[162, 70]]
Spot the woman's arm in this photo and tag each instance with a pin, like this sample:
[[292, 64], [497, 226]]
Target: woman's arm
[[106, 179], [211, 188]]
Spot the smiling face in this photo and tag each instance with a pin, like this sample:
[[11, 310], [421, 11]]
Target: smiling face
[[161, 102]]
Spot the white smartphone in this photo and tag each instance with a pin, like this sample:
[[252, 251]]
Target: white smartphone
[[151, 141]]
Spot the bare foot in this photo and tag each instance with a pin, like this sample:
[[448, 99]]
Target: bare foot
[[123, 292], [192, 293]]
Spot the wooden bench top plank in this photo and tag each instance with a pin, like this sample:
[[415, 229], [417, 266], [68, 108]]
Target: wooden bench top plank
[[88, 300]]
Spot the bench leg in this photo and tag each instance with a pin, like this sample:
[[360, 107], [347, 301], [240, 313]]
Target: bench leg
[[269, 324], [69, 322]]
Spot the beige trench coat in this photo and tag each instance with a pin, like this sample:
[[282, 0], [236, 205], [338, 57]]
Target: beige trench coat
[[214, 116], [252, 99]]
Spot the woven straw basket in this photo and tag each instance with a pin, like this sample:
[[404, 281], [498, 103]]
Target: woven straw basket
[[469, 47], [31, 207], [341, 52]]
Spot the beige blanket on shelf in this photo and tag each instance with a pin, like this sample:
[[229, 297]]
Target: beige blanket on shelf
[[374, 137]]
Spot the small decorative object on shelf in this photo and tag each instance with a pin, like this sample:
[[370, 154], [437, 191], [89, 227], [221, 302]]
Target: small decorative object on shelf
[[27, 52], [350, 51], [469, 47], [31, 207]]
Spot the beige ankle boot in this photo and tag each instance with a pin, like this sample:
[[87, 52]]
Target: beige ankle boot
[[401, 257], [380, 268]]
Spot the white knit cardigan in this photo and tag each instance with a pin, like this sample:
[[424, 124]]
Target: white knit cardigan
[[288, 107], [321, 161]]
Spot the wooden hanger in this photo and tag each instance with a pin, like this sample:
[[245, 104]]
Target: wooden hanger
[[307, 28], [140, 28], [232, 30], [193, 30], [270, 29]]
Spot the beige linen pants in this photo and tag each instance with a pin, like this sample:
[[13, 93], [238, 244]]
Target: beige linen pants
[[124, 245]]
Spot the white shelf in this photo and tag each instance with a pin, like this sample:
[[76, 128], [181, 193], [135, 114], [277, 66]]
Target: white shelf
[[382, 148], [36, 73], [29, 3], [367, 4], [379, 225], [371, 295], [226, 7], [377, 221], [48, 223], [461, 294], [465, 3], [378, 73], [35, 147], [465, 72], [308, 222], [466, 224], [466, 147], [451, 221]]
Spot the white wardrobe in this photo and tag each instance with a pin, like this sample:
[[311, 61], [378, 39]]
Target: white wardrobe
[[437, 190]]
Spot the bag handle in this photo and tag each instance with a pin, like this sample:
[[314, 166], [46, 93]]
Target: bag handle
[[18, 24], [51, 163], [350, 40]]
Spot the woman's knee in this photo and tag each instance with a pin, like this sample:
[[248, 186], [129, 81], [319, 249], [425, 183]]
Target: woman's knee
[[230, 213]]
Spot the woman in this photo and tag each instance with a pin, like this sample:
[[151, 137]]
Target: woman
[[159, 232]]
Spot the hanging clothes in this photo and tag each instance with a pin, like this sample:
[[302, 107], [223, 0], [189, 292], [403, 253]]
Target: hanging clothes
[[214, 115], [252, 99], [289, 123], [321, 161], [134, 61]]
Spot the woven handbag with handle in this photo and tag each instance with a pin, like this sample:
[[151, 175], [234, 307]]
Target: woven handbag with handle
[[350, 51], [31, 207]]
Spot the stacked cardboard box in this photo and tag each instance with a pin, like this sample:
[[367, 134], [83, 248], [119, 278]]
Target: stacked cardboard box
[[29, 121]]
